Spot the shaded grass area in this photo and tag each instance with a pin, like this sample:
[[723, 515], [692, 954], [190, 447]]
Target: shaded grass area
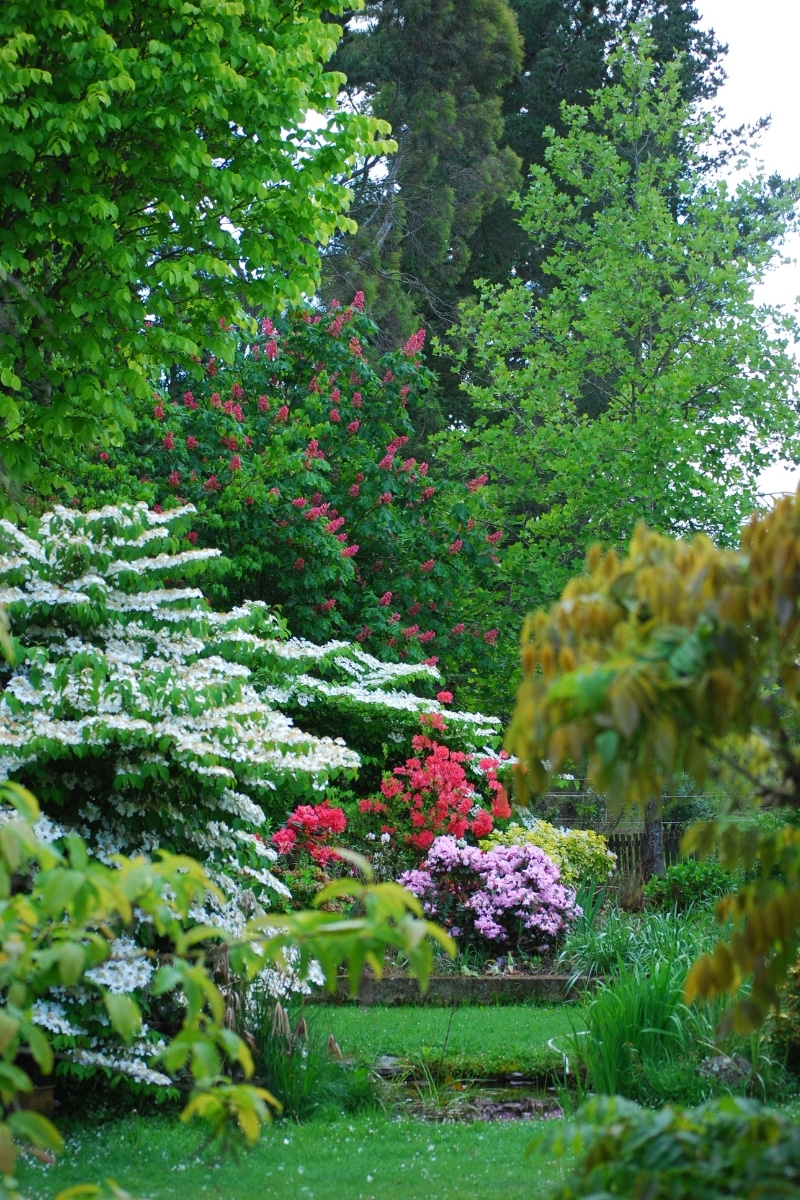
[[476, 1041], [367, 1157]]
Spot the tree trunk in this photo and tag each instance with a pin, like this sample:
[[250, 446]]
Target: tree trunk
[[654, 839]]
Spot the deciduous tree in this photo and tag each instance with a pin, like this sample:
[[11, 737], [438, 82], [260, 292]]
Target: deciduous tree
[[645, 383], [684, 657], [154, 156]]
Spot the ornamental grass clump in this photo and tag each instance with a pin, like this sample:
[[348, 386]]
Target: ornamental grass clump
[[509, 898]]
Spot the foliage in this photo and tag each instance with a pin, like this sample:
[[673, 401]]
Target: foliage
[[642, 382], [688, 883], [620, 940], [294, 458], [653, 664], [134, 712], [509, 896], [57, 912], [784, 1024], [303, 1069], [64, 918], [640, 1040], [725, 1148], [565, 56], [580, 854], [156, 157], [433, 69]]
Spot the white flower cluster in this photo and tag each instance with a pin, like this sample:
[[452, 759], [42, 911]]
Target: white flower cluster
[[126, 968]]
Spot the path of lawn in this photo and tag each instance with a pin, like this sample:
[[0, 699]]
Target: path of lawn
[[372, 1156], [368, 1157], [478, 1041]]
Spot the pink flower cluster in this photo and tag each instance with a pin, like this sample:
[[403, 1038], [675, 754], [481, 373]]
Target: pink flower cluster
[[431, 794], [309, 828], [509, 895]]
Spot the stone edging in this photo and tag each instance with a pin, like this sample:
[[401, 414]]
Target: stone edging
[[450, 991]]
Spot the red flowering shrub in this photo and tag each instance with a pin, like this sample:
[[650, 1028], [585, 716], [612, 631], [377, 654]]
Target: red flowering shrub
[[305, 848], [293, 456], [431, 794]]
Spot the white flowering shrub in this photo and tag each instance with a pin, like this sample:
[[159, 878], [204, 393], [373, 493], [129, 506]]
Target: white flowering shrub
[[145, 721], [59, 909]]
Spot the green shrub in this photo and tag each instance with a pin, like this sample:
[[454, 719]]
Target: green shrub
[[784, 1027], [578, 853], [726, 1148], [695, 881]]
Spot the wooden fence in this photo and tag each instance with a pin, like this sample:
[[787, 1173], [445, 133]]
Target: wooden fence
[[630, 847]]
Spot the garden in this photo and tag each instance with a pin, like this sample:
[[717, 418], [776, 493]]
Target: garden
[[314, 880]]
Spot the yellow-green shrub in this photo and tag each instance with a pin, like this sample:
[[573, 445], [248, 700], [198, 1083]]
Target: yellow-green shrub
[[578, 853]]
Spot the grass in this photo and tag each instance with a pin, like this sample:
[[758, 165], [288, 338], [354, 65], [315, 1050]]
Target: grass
[[475, 1041], [352, 1158]]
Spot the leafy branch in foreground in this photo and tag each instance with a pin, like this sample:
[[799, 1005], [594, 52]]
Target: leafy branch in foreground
[[58, 916], [683, 657]]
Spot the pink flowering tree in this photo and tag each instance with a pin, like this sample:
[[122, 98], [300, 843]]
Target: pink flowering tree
[[296, 456], [509, 898]]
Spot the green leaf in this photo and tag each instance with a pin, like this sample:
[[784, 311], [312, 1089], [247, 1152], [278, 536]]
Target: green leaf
[[124, 1013]]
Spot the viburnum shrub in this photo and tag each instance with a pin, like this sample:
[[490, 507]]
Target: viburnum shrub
[[143, 720], [294, 457], [510, 897]]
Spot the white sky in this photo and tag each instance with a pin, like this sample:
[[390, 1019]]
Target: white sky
[[763, 41]]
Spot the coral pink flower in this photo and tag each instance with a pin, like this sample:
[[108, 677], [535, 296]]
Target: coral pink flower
[[168, 442], [192, 442], [414, 343]]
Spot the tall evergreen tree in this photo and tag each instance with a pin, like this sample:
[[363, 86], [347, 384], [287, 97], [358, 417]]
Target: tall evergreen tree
[[566, 56], [434, 70], [469, 89]]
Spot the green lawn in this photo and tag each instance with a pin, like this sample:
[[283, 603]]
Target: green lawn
[[338, 1157], [480, 1041], [368, 1157]]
